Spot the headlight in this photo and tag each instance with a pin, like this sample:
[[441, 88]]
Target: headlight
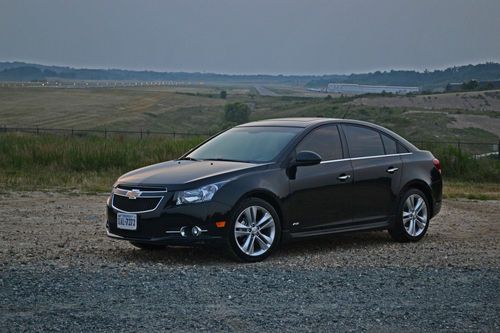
[[202, 194]]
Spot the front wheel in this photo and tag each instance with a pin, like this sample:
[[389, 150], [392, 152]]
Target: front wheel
[[412, 220], [254, 230]]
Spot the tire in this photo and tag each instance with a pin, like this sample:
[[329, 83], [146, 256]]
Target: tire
[[413, 217], [246, 240], [148, 247]]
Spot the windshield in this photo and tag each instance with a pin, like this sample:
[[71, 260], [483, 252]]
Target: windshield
[[246, 144]]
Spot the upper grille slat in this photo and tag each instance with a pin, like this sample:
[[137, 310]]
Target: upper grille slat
[[143, 188], [134, 199]]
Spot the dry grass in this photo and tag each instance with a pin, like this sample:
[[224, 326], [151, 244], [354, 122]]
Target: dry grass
[[469, 190], [104, 108]]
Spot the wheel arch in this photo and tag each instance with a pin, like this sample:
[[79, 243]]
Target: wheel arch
[[422, 186], [268, 197]]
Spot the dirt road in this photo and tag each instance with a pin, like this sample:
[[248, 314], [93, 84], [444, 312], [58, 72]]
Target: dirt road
[[60, 272]]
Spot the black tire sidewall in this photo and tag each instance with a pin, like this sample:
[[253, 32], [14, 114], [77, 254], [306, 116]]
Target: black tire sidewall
[[231, 241]]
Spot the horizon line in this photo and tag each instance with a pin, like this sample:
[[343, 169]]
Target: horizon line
[[251, 74]]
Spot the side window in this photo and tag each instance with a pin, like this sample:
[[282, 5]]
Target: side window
[[389, 145], [363, 141], [402, 149], [325, 141]]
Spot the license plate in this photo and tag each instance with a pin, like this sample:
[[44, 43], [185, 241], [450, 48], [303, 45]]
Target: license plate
[[126, 221]]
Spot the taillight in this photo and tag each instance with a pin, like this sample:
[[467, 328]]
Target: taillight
[[437, 164]]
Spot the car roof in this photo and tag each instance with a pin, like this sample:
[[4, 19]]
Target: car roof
[[305, 122], [289, 122]]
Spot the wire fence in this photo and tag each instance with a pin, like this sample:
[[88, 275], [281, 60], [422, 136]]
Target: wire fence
[[105, 133], [477, 149]]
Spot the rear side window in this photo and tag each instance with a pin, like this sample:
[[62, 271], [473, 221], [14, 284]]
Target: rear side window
[[389, 145], [363, 141], [325, 141], [402, 149]]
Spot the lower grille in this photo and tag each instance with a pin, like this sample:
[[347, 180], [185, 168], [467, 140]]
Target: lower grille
[[135, 205]]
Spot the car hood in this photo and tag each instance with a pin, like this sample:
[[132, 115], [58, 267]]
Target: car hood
[[181, 172]]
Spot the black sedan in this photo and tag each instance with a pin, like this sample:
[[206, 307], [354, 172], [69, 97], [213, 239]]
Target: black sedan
[[257, 185]]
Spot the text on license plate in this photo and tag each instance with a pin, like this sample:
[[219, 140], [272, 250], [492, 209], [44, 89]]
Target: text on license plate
[[126, 221]]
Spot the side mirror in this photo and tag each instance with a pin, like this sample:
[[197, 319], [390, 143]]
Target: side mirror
[[306, 157]]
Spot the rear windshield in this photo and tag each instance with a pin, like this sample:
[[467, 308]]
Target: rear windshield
[[247, 144]]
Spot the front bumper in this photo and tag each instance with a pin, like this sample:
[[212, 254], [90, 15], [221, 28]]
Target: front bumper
[[163, 226]]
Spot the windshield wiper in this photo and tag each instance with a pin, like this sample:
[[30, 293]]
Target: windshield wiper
[[187, 158], [225, 160]]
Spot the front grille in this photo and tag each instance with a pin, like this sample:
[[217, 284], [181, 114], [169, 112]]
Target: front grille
[[134, 205]]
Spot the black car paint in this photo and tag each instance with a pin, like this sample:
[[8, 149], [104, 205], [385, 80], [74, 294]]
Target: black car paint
[[310, 200]]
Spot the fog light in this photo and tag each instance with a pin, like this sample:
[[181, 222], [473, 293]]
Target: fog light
[[184, 231], [196, 231]]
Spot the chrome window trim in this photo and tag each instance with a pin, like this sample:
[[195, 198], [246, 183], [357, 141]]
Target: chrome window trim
[[333, 161], [363, 158]]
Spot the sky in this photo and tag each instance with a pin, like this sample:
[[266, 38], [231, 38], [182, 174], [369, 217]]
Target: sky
[[251, 37]]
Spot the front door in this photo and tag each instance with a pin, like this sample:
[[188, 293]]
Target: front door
[[320, 195]]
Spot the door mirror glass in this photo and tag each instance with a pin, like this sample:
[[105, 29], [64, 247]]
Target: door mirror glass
[[307, 157]]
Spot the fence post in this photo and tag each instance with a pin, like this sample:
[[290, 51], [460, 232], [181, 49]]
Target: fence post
[[498, 149], [174, 135], [105, 133], [141, 133], [72, 132], [37, 130], [459, 146]]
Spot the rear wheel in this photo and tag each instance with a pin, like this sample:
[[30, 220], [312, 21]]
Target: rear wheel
[[146, 246], [254, 230], [412, 220]]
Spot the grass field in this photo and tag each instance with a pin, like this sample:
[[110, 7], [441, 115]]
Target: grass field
[[199, 109], [79, 163], [93, 163]]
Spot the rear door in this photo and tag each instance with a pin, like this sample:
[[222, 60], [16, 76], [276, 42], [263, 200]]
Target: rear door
[[377, 171], [320, 195]]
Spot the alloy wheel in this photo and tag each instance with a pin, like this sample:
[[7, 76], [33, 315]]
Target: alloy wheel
[[254, 231], [415, 215]]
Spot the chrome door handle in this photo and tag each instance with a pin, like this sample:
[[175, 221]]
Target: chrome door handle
[[344, 177], [392, 170]]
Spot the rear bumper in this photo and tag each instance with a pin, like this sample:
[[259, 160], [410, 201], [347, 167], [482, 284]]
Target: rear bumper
[[437, 194]]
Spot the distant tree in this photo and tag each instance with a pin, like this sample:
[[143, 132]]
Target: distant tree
[[223, 94], [471, 85], [236, 112]]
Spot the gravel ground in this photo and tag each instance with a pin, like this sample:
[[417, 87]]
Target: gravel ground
[[60, 272]]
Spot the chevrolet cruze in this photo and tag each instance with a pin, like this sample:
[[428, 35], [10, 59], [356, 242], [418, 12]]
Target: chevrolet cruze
[[257, 185]]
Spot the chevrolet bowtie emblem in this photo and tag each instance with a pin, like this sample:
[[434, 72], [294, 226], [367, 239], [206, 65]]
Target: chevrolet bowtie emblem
[[133, 194]]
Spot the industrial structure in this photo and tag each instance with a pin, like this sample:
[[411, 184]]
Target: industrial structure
[[350, 88]]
